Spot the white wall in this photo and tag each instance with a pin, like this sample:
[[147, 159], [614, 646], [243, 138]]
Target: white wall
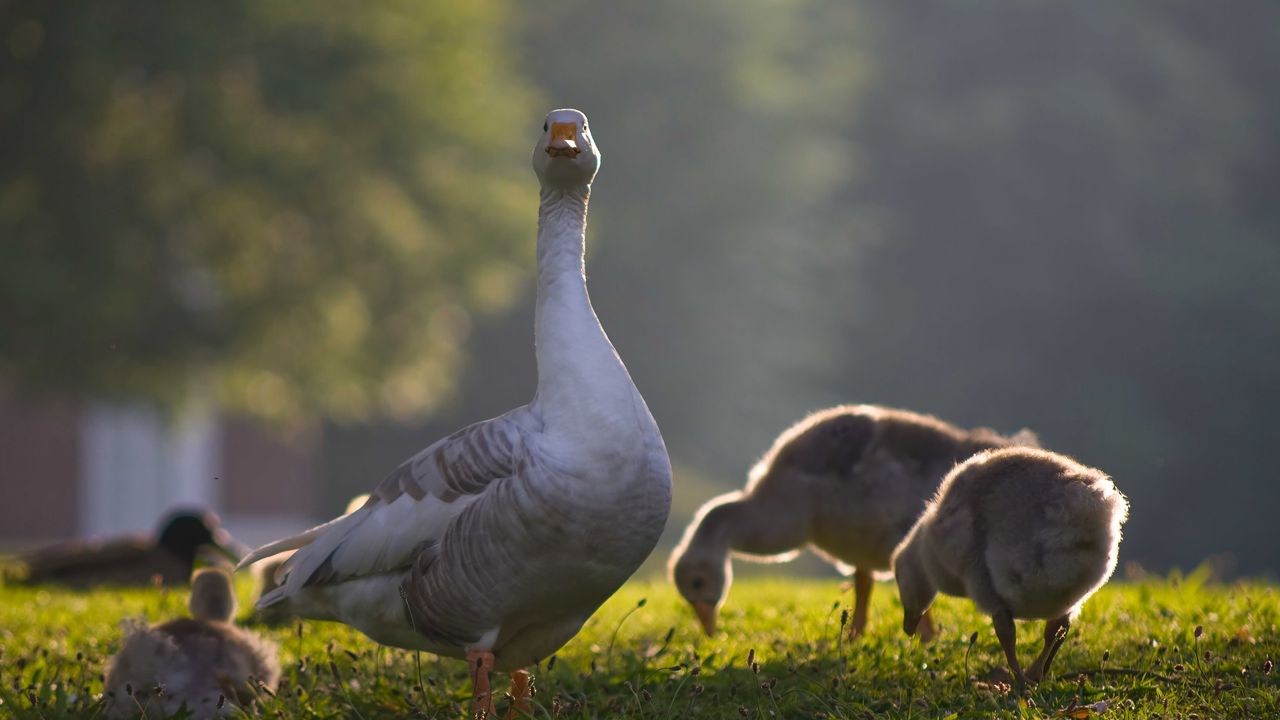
[[137, 462]]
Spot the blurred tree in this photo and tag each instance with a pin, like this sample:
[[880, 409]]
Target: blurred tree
[[298, 197]]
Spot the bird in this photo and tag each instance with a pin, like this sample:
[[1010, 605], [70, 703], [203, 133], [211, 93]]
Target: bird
[[846, 481], [204, 662], [264, 572], [496, 543], [1024, 533], [137, 559]]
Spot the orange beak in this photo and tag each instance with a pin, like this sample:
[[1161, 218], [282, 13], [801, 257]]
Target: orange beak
[[564, 140], [706, 613]]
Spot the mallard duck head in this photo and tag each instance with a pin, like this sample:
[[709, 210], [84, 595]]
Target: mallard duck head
[[184, 531]]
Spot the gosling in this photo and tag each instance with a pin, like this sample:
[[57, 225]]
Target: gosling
[[1025, 534], [203, 662], [848, 482]]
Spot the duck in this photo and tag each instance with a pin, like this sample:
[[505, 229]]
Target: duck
[[203, 662], [168, 556], [496, 543], [847, 482], [1025, 534]]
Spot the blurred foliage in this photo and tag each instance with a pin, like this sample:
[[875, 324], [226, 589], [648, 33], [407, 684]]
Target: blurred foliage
[[305, 200]]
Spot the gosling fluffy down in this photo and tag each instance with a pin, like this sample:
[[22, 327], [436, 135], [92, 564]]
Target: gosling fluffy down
[[1024, 533], [204, 661]]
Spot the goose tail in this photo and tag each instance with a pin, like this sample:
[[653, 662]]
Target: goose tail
[[292, 542]]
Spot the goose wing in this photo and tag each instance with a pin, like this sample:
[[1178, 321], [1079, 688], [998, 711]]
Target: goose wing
[[406, 514]]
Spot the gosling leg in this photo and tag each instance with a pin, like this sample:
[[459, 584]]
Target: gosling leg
[[1003, 621], [1055, 633], [862, 587]]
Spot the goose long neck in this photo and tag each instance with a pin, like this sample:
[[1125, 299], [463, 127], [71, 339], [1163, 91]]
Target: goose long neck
[[562, 227], [579, 373]]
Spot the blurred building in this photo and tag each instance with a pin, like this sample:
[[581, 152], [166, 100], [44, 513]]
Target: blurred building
[[71, 470]]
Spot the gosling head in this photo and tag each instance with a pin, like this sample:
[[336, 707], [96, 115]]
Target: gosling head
[[915, 589], [565, 155], [703, 581], [700, 565], [213, 599]]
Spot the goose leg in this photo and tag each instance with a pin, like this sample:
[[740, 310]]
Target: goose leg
[[1003, 620], [925, 629], [481, 664], [862, 586], [520, 693], [1055, 633]]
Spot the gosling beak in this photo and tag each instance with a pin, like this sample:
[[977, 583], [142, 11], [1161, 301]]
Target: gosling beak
[[706, 613], [910, 622], [564, 140]]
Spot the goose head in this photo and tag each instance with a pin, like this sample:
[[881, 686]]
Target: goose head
[[185, 531], [565, 155], [703, 581]]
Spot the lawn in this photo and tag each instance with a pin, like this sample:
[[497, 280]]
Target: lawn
[[1159, 648]]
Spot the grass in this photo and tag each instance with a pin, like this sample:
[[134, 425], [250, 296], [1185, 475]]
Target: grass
[[780, 655]]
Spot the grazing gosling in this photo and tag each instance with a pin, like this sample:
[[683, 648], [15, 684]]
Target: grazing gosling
[[204, 661], [848, 481], [1024, 533]]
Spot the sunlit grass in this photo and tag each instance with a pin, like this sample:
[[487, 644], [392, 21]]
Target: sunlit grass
[[781, 654]]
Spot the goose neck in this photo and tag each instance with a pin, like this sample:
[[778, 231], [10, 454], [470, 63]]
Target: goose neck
[[581, 381], [562, 224]]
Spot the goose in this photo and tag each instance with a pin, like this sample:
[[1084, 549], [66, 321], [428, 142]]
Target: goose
[[496, 543], [204, 661], [1024, 533], [136, 559], [264, 573], [847, 481]]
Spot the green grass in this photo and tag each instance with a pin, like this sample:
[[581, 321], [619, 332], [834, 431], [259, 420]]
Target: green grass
[[1134, 648]]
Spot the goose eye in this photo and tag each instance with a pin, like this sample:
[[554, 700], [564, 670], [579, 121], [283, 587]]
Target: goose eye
[[544, 127], [697, 583]]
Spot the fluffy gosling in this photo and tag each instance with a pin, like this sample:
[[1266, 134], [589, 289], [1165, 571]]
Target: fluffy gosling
[[204, 661], [1025, 534]]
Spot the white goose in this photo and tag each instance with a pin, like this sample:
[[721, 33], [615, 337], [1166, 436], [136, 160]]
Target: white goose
[[498, 542]]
